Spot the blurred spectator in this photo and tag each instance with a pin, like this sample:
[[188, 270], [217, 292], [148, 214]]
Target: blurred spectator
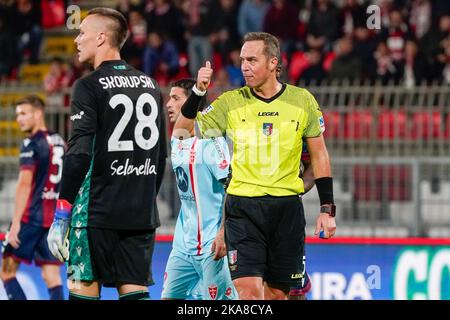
[[314, 72], [385, 68], [56, 78], [420, 17], [352, 15], [6, 50], [204, 16], [323, 26], [346, 65], [165, 19], [126, 6], [433, 45], [221, 81], [228, 34], [53, 13], [251, 16], [27, 28], [444, 58], [396, 36], [160, 58], [282, 20], [76, 70], [233, 68], [415, 66], [134, 46], [364, 45]]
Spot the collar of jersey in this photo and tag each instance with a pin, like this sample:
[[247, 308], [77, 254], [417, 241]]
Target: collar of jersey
[[269, 100], [111, 63]]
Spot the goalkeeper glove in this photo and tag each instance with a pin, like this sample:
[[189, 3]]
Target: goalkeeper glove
[[57, 236]]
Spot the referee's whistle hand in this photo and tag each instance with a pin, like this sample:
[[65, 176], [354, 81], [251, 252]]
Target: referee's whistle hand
[[325, 226], [204, 77]]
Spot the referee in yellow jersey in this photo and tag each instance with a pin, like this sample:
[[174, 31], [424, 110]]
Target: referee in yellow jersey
[[266, 121]]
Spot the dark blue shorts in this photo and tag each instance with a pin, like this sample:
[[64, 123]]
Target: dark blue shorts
[[33, 246]]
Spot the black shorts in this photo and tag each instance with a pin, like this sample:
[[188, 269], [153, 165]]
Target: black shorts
[[111, 257], [265, 237]]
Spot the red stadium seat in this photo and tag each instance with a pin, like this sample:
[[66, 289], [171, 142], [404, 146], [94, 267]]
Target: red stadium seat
[[392, 124], [297, 66], [382, 182], [426, 125], [447, 127], [332, 123], [358, 125]]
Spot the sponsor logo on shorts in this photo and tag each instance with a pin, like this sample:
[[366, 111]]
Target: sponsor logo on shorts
[[232, 256], [212, 289], [228, 292]]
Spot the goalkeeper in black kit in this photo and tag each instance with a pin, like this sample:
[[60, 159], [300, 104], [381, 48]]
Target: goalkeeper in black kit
[[106, 214]]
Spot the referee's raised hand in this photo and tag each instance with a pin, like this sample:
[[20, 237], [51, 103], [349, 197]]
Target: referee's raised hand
[[204, 76]]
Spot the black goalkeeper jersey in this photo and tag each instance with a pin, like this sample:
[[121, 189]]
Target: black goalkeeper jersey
[[117, 117]]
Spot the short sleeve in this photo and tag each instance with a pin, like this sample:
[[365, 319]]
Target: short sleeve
[[217, 156], [212, 120], [28, 155], [315, 124]]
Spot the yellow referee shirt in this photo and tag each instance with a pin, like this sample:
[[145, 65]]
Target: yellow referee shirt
[[267, 137]]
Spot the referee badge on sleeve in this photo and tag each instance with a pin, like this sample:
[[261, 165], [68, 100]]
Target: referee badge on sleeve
[[267, 128]]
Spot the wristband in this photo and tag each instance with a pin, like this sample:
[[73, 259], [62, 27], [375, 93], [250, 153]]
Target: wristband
[[325, 189], [197, 91]]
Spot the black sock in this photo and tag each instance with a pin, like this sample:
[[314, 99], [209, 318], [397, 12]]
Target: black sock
[[74, 296], [137, 295]]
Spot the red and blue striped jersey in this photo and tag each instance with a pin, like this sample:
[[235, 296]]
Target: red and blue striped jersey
[[43, 154]]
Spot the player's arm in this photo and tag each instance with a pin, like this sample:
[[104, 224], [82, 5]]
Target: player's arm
[[320, 162], [189, 110], [216, 157], [307, 175], [76, 164], [23, 190]]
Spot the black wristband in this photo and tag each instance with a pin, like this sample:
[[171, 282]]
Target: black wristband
[[325, 188], [191, 106]]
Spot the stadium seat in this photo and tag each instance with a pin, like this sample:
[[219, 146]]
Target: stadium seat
[[59, 46], [358, 125], [332, 123], [34, 73], [447, 127], [392, 124], [426, 125], [297, 66], [382, 182], [8, 99]]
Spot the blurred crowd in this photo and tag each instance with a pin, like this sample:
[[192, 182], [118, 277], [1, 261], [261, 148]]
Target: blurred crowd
[[322, 40]]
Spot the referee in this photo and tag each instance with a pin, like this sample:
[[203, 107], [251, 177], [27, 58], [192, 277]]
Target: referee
[[267, 121]]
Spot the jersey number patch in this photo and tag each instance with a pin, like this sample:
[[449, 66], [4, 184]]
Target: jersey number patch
[[144, 121]]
